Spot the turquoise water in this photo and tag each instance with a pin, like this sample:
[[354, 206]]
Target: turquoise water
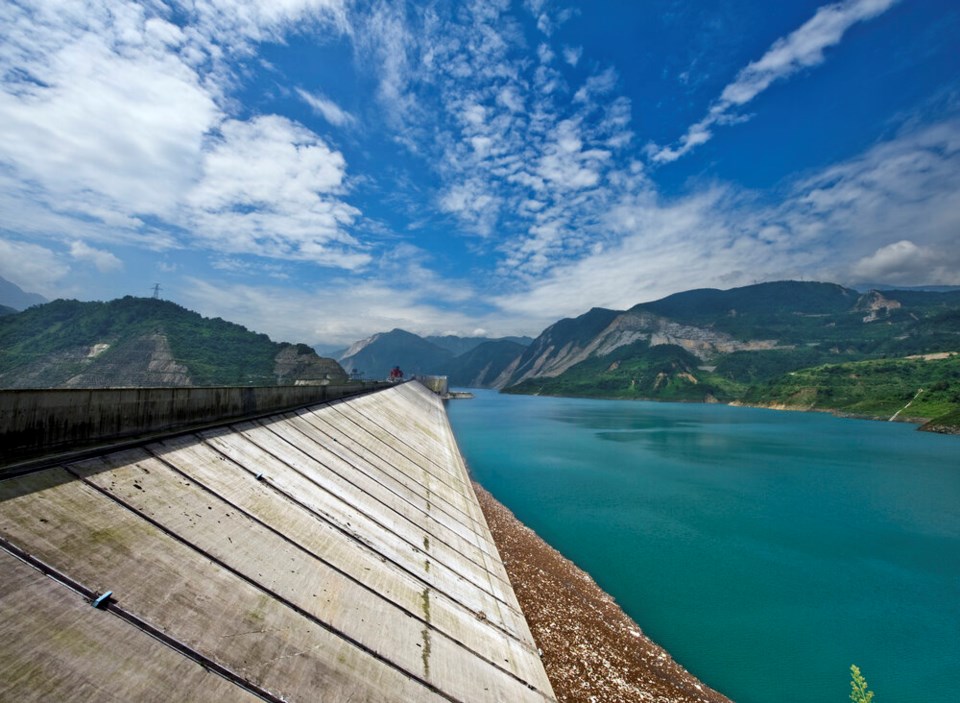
[[766, 551]]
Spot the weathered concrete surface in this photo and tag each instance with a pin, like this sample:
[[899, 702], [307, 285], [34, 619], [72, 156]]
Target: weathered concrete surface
[[62, 649], [334, 553], [43, 422]]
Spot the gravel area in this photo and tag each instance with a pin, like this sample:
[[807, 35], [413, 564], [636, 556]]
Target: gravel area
[[592, 651]]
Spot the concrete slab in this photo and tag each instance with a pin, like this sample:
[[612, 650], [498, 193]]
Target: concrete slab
[[186, 594], [355, 465], [308, 510], [334, 553], [55, 647]]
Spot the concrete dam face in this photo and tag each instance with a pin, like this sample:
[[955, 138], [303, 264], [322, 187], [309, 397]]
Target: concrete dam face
[[334, 553]]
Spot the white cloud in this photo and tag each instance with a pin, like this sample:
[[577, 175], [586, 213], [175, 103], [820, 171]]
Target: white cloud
[[115, 118], [900, 262], [98, 112], [326, 108], [236, 22], [545, 53], [904, 189], [268, 159], [500, 130], [597, 85], [787, 56], [547, 19], [34, 268], [511, 99], [104, 260], [338, 312], [473, 203], [271, 187], [660, 247], [572, 54], [566, 164], [385, 41], [889, 215], [802, 48]]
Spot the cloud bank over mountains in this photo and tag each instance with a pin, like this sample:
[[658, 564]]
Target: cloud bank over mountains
[[322, 170]]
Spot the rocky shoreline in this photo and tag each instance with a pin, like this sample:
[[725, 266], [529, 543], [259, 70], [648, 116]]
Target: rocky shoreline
[[592, 651]]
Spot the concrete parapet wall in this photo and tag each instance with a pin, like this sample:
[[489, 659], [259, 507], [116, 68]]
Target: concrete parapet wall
[[437, 384], [36, 423]]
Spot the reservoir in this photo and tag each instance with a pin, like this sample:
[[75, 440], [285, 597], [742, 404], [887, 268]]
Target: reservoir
[[767, 551]]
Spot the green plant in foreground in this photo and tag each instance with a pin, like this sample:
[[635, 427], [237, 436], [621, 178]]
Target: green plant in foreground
[[858, 686]]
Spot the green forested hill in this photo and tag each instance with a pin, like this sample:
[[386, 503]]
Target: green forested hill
[[143, 341], [776, 299], [790, 343], [664, 372], [926, 388]]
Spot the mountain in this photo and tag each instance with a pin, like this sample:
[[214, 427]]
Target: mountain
[[760, 311], [929, 289], [708, 345], [13, 296], [145, 342], [334, 351], [488, 365], [376, 355], [459, 346], [705, 322], [476, 362], [562, 345]]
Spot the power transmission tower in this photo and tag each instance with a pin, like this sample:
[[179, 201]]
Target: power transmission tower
[[156, 291]]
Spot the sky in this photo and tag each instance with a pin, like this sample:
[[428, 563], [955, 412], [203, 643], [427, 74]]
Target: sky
[[322, 170]]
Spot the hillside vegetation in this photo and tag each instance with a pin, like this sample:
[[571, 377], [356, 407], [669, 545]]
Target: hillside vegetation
[[917, 388], [791, 344], [786, 343], [144, 341], [636, 371]]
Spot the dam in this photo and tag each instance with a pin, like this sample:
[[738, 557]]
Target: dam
[[330, 550]]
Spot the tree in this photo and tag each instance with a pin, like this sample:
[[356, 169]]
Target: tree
[[858, 686]]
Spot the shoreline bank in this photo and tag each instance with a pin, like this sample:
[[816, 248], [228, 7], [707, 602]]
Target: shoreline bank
[[592, 651], [923, 424], [935, 425]]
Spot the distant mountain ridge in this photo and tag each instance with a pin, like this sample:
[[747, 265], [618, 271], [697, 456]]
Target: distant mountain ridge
[[139, 342], [466, 361], [13, 296], [459, 346], [710, 345], [796, 344]]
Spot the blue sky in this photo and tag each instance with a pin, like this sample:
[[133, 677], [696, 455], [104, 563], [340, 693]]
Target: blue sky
[[321, 170]]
